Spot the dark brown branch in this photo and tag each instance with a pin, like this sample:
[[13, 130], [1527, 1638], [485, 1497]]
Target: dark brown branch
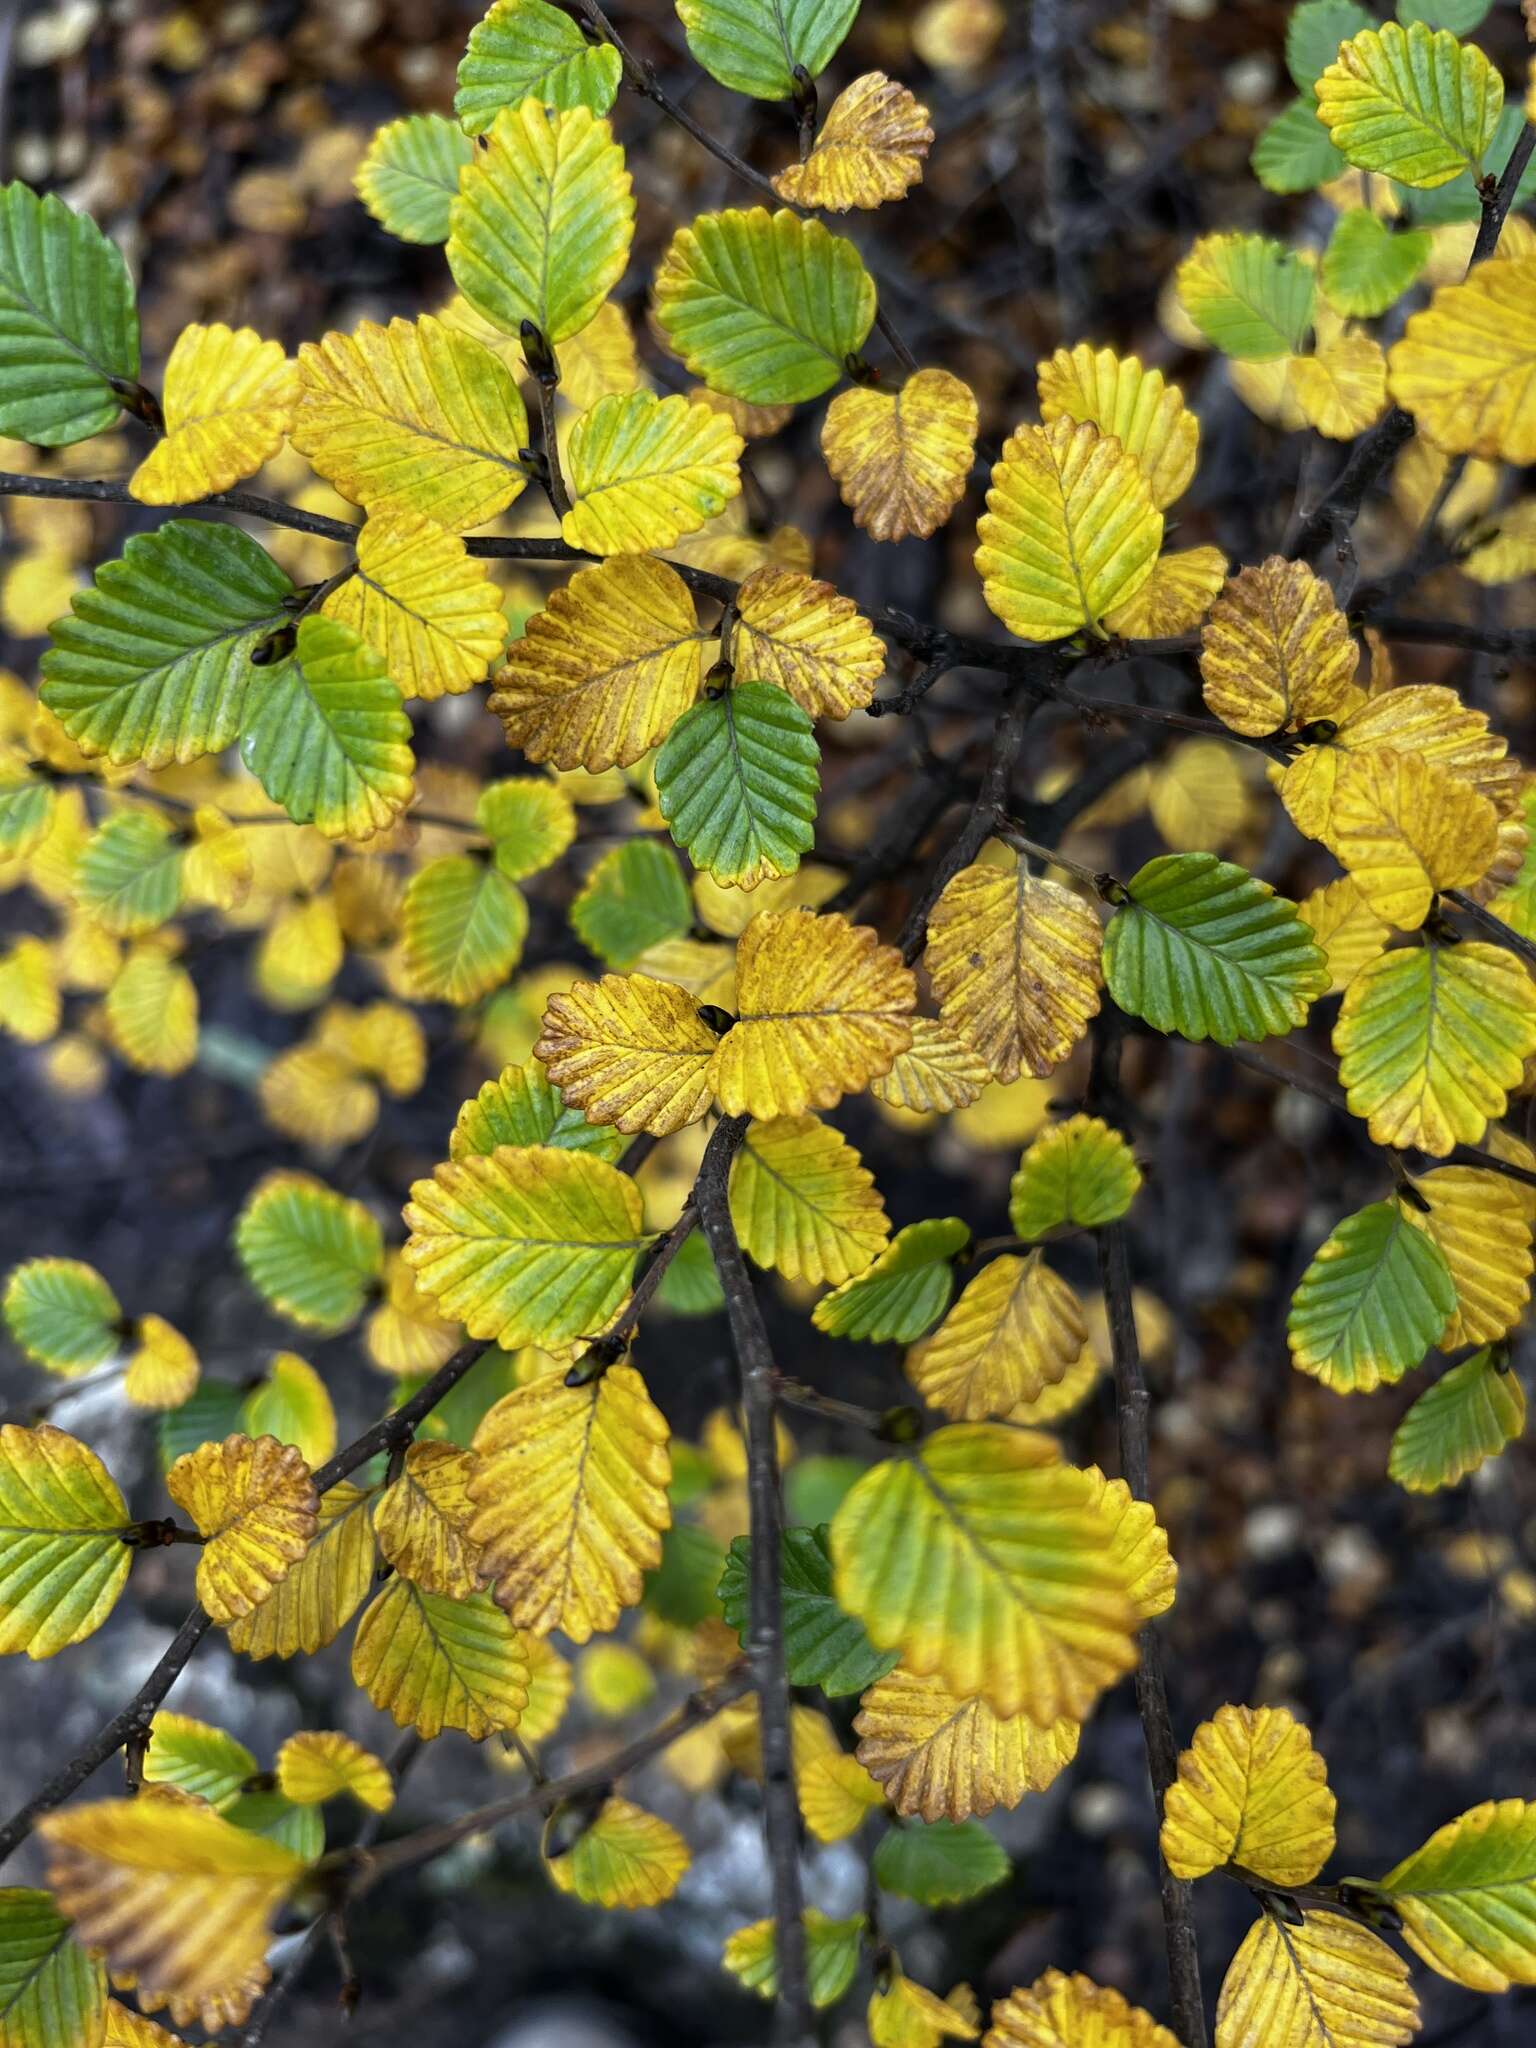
[[765, 1638], [978, 827], [1497, 930], [610, 1347], [1519, 642], [1132, 1405]]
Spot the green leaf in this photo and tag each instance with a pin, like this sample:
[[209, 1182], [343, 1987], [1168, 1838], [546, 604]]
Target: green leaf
[[1366, 267], [1294, 153], [754, 48], [196, 1757], [633, 899], [1463, 1420], [737, 782], [764, 307], [816, 1487], [299, 1828], [63, 1315], [939, 1862], [463, 925], [326, 736], [1468, 1897], [67, 321], [823, 1644], [1375, 1297], [523, 1107], [1313, 35], [831, 1956], [312, 1254], [1079, 1173], [683, 1587], [26, 811], [410, 176], [152, 662], [528, 821], [63, 1561], [691, 1286], [1250, 296], [542, 223], [526, 49], [904, 1292], [462, 1410], [210, 1413], [1412, 103], [1459, 16], [52, 1993], [130, 872], [1206, 949], [292, 1404]]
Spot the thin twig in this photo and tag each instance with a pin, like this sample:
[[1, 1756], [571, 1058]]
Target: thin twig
[[765, 1640], [978, 827]]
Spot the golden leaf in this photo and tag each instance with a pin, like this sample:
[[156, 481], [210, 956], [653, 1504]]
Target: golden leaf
[[432, 1663], [229, 400], [871, 148], [570, 1498], [1276, 651], [804, 1203], [172, 1892], [1345, 926], [822, 1009], [1071, 530], [314, 1766], [629, 1051], [605, 670], [1073, 2012], [937, 1073], [1405, 828], [1464, 365], [422, 1521], [1479, 1221], [254, 1501], [1119, 396], [428, 607], [1342, 388], [904, 2014], [1014, 1331], [644, 471], [901, 460], [1250, 1790], [1174, 598], [836, 1794], [316, 1599], [1197, 796], [1139, 1543], [163, 1369], [1014, 960], [1326, 1984], [798, 633], [940, 1756]]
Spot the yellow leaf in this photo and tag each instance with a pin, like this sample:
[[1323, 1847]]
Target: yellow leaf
[[624, 1858], [1071, 530], [982, 1558], [549, 1691], [605, 670], [1464, 365], [424, 603], [752, 422], [1405, 828], [405, 1334], [172, 1892], [1174, 598], [1342, 388], [413, 418], [1197, 796], [1250, 1790], [127, 2029], [1276, 651], [904, 2014], [1073, 2012], [940, 1756], [1014, 960], [529, 1245], [229, 401], [871, 148], [804, 1203], [311, 1094], [571, 1500], [315, 1766], [1510, 552], [31, 1005], [422, 1521], [318, 1597], [1067, 1393], [162, 1368], [1431, 1039], [36, 590], [615, 1681], [217, 867], [1345, 926], [254, 1501], [644, 471], [1419, 473], [151, 1012], [300, 954], [599, 362], [1119, 396], [432, 1663], [1139, 1544], [901, 460], [798, 633], [937, 1073], [822, 1009], [1327, 1984], [1014, 1331], [383, 1040], [629, 1051], [835, 1794], [1479, 1221]]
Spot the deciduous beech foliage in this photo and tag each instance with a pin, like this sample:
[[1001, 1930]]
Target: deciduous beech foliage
[[552, 511]]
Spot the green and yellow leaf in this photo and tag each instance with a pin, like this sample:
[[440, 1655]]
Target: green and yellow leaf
[[63, 1562], [432, 1663], [229, 400]]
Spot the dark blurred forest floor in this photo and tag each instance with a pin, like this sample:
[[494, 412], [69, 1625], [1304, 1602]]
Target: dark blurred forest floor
[[218, 141]]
